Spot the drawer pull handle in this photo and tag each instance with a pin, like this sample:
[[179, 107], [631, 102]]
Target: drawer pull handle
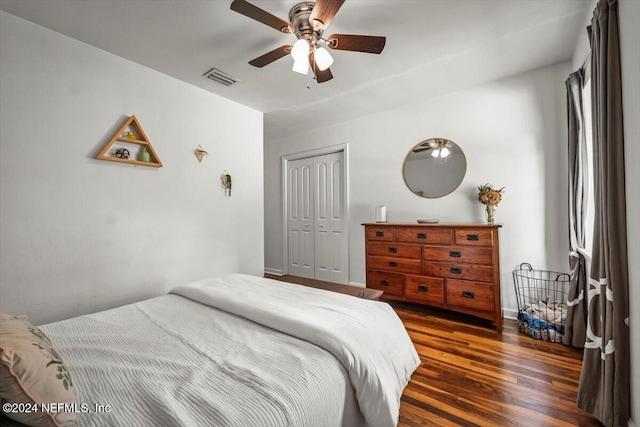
[[455, 254], [379, 233], [468, 294], [393, 250], [456, 270], [393, 264], [384, 282], [423, 288], [473, 237], [421, 235]]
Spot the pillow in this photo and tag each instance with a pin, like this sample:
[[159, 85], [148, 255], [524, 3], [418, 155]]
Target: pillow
[[32, 373]]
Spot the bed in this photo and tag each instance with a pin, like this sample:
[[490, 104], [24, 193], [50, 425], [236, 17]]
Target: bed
[[234, 351]]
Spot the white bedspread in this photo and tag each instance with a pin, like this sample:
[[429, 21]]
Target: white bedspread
[[173, 362], [367, 337]]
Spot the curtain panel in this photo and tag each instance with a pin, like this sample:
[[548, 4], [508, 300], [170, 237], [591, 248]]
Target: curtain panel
[[575, 329], [604, 387]]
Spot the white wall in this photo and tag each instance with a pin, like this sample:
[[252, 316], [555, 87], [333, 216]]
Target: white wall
[[581, 51], [80, 235], [513, 134], [629, 16]]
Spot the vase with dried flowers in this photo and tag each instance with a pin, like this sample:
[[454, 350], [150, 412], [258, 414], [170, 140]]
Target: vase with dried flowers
[[489, 197]]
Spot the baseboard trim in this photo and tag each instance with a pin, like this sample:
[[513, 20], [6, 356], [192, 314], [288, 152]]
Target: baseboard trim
[[356, 284], [509, 313], [274, 271]]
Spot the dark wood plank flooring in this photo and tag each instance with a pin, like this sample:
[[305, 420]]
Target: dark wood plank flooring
[[472, 376]]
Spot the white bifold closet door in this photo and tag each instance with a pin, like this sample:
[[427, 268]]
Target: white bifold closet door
[[316, 223]]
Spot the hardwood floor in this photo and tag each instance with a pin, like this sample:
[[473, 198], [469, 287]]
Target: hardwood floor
[[472, 376]]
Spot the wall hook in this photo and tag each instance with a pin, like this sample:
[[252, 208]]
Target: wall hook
[[200, 153]]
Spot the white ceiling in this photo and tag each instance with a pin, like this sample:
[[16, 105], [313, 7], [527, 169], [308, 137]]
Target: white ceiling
[[433, 47]]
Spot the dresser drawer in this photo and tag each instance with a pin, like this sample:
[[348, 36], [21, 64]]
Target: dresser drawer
[[449, 265], [379, 233], [424, 235], [466, 254], [424, 289], [480, 273], [390, 283], [474, 237], [401, 250], [470, 295], [404, 265]]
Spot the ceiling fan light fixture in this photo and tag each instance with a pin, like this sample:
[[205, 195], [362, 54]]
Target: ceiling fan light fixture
[[307, 21], [444, 152], [323, 58], [300, 50], [301, 66], [435, 153]]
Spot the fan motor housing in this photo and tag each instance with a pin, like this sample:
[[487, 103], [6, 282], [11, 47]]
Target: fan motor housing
[[299, 18]]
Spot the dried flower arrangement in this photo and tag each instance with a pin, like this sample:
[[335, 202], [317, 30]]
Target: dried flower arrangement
[[490, 197]]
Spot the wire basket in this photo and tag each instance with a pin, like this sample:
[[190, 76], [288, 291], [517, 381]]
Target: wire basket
[[542, 297]]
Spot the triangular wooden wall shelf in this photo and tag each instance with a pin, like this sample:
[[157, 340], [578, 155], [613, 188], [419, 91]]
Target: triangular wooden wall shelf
[[140, 139]]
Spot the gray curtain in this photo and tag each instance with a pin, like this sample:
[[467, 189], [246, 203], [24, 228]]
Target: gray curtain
[[604, 380], [575, 328]]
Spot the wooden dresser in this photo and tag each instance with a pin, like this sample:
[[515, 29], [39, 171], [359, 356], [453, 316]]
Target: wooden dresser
[[452, 266]]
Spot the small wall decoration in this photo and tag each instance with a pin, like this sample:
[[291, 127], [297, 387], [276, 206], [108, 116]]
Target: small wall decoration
[[226, 182], [132, 136], [200, 153], [121, 153]]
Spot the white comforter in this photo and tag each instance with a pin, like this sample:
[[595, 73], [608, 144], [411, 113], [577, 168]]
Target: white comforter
[[367, 337], [172, 362], [289, 356]]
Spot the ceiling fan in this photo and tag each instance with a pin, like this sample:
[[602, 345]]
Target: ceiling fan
[[308, 20], [438, 145]]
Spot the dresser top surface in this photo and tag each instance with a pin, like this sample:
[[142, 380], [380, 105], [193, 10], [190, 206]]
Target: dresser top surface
[[439, 224]]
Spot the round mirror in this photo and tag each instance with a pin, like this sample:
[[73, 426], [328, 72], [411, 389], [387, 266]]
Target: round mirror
[[434, 168]]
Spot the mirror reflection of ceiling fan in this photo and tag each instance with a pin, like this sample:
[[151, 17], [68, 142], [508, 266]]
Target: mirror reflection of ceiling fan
[[438, 145], [308, 20]]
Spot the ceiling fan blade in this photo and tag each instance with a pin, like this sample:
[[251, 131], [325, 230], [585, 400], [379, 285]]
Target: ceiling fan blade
[[271, 56], [323, 13], [254, 12], [356, 43], [321, 76]]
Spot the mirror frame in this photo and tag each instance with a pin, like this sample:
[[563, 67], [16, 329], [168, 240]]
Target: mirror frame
[[454, 188]]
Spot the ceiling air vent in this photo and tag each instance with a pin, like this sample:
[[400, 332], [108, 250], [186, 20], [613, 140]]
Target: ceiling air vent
[[220, 77]]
